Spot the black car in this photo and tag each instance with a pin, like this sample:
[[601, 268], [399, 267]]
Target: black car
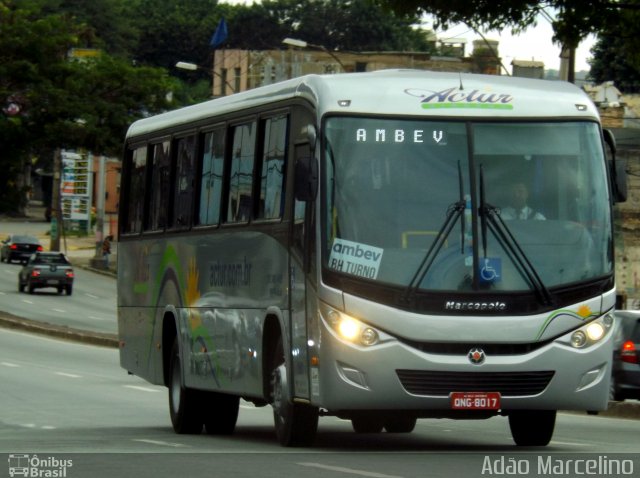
[[47, 269], [625, 377], [19, 247]]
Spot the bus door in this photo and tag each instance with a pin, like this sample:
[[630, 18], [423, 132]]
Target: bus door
[[302, 280]]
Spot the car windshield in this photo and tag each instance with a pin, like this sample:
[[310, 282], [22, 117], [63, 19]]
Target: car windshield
[[50, 259], [403, 203]]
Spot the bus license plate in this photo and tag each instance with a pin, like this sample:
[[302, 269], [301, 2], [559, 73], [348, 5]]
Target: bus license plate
[[475, 400]]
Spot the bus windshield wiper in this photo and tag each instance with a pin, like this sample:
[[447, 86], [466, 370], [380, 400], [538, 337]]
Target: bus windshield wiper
[[454, 212], [490, 219]]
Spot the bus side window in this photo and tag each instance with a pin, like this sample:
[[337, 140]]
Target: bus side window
[[135, 190], [160, 177], [273, 173], [241, 173], [211, 177], [183, 190]]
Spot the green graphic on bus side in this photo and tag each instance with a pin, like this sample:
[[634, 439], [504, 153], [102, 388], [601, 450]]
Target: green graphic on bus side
[[583, 314], [188, 295]]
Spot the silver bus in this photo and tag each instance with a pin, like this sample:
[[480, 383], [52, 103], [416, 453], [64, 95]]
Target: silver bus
[[381, 247]]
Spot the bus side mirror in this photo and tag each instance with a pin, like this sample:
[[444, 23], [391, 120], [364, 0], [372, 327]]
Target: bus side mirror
[[619, 180], [617, 169], [306, 180]]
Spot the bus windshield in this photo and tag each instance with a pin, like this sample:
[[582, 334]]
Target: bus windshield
[[463, 206]]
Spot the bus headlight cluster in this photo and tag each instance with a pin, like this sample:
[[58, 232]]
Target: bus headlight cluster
[[593, 332], [350, 329]]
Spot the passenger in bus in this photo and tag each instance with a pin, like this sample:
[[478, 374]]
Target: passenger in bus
[[519, 208]]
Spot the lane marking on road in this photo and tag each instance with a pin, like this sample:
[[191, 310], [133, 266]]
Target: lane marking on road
[[568, 443], [93, 317], [9, 364], [158, 442], [27, 301], [91, 296], [47, 427], [350, 471], [141, 389], [69, 375], [59, 310]]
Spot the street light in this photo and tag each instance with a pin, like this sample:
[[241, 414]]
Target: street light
[[303, 44], [185, 65]]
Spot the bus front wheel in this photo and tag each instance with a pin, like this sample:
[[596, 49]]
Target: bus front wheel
[[184, 403], [296, 423], [532, 427]]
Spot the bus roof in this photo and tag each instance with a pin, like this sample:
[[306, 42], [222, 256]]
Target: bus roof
[[399, 92]]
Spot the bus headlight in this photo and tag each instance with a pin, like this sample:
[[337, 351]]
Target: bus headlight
[[351, 329], [593, 332]]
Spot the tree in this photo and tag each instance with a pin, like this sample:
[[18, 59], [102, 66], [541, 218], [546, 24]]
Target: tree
[[356, 25], [574, 19], [612, 62], [51, 102]]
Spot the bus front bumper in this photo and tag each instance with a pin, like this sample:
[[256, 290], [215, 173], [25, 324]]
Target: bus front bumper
[[396, 376]]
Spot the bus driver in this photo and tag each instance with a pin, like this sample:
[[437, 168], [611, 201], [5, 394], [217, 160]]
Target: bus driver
[[519, 208]]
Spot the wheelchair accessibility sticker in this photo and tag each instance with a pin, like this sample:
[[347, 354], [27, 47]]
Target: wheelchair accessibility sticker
[[490, 270]]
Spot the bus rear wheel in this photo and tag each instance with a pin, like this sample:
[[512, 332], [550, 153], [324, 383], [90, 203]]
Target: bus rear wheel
[[532, 427], [184, 403], [296, 423], [220, 412]]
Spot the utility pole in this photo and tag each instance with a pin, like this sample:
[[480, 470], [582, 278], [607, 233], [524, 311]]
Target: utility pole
[[98, 261], [56, 217]]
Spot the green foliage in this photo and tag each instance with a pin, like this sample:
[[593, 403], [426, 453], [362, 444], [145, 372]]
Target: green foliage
[[62, 103], [50, 101], [575, 19], [612, 62], [356, 25]]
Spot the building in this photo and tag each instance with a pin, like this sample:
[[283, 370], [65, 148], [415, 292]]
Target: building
[[528, 69], [240, 70]]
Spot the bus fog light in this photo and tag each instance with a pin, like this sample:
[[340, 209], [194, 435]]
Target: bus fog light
[[595, 331], [578, 339], [369, 336]]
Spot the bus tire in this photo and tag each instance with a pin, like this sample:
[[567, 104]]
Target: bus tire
[[367, 424], [296, 424], [184, 403], [220, 412], [400, 424], [532, 427]]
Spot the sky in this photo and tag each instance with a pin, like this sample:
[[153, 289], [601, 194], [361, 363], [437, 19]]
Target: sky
[[534, 44]]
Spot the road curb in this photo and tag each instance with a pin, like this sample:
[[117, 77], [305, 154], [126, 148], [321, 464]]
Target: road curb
[[9, 321]]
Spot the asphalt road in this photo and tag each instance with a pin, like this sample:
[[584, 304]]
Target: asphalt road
[[92, 306], [71, 401]]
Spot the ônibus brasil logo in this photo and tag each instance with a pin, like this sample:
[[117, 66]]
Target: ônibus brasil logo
[[455, 97]]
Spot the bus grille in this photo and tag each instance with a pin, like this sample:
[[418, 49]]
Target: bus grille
[[509, 384]]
